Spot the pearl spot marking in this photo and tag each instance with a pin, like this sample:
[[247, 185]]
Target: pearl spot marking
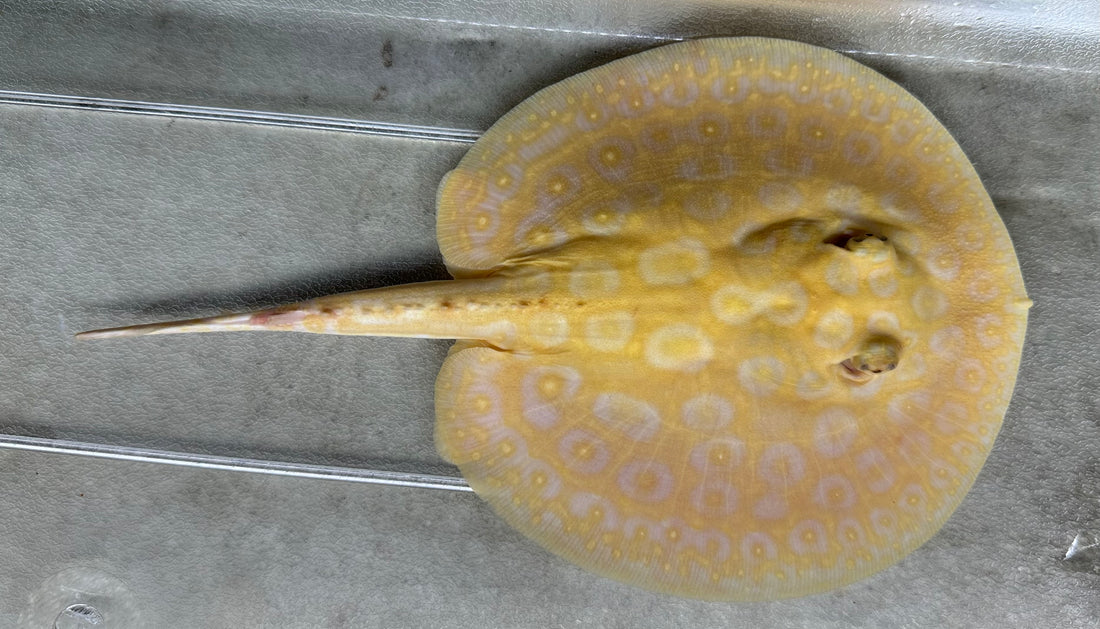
[[780, 197], [734, 304], [758, 547], [548, 329], [786, 304], [646, 481], [782, 464], [609, 332], [841, 275], [593, 278], [630, 416], [674, 263], [761, 376], [834, 432], [876, 470], [679, 347], [545, 391], [583, 452], [714, 497], [835, 493], [605, 219], [928, 303], [808, 537], [707, 413], [717, 455], [833, 329]]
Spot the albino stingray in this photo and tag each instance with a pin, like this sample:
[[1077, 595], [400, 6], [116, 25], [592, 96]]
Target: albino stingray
[[736, 319]]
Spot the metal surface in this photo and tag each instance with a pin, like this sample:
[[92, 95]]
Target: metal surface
[[116, 217], [215, 114], [232, 464]]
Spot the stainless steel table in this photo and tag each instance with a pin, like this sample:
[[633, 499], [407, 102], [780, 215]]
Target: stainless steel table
[[172, 159]]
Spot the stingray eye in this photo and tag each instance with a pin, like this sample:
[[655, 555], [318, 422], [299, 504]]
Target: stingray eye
[[869, 246], [860, 241], [875, 248], [857, 242], [878, 355]]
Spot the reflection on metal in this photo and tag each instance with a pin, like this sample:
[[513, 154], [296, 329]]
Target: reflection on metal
[[315, 123], [233, 464], [78, 615], [1080, 545], [80, 598]]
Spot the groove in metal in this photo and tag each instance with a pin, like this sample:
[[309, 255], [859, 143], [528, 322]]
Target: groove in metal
[[233, 464], [315, 123], [212, 462]]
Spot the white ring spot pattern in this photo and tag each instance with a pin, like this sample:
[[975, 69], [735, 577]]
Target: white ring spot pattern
[[609, 332], [675, 263], [707, 413], [632, 417], [679, 347]]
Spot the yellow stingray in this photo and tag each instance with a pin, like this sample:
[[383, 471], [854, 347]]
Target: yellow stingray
[[736, 319]]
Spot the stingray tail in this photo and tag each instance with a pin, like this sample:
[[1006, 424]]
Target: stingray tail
[[465, 309], [281, 319]]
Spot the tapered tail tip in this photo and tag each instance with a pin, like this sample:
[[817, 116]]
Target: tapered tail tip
[[212, 324], [110, 333]]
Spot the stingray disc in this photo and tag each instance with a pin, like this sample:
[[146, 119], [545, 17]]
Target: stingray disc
[[770, 321]]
